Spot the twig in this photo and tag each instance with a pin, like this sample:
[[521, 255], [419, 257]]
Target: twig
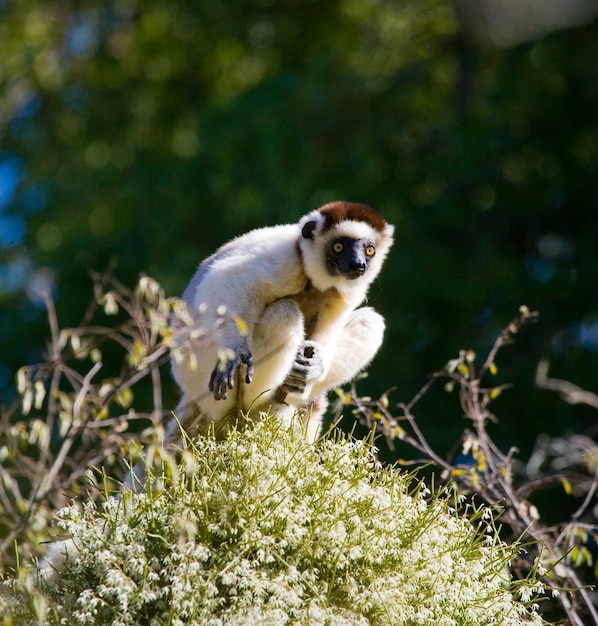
[[568, 391], [490, 475]]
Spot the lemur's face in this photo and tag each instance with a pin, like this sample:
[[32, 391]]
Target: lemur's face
[[343, 246], [349, 257]]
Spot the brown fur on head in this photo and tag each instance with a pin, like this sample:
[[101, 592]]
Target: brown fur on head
[[340, 211]]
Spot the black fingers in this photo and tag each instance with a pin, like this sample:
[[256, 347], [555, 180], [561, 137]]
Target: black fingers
[[220, 382], [248, 360], [223, 375], [309, 352]]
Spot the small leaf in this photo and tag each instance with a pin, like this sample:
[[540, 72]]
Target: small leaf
[[110, 304], [27, 401], [459, 472], [192, 361], [103, 414], [167, 337], [398, 432], [566, 485], [40, 394], [481, 459], [22, 380], [241, 325], [137, 354], [125, 398], [75, 344], [580, 555]]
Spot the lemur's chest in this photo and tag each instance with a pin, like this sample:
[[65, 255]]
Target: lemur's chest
[[319, 308]]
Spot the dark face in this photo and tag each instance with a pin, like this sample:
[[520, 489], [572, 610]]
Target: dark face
[[349, 257]]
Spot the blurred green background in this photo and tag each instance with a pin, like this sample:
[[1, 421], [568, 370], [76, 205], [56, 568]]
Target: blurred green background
[[147, 133]]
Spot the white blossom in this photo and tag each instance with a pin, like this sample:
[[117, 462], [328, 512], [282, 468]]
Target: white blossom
[[268, 529]]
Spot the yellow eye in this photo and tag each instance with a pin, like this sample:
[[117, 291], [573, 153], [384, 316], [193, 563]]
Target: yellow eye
[[337, 246], [370, 250]]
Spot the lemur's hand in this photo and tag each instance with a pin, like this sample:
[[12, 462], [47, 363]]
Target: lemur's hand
[[223, 374], [308, 366]]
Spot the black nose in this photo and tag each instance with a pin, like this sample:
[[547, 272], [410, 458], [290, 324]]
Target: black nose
[[356, 270]]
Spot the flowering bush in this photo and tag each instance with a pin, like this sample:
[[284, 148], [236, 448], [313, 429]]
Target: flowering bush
[[264, 528]]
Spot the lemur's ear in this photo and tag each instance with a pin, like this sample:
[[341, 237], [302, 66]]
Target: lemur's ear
[[308, 229]]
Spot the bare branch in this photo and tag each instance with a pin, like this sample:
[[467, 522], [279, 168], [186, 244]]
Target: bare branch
[[490, 475], [568, 391], [73, 422]]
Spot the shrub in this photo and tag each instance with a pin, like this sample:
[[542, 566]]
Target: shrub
[[264, 528]]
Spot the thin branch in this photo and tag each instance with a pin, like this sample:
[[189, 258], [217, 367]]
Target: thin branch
[[490, 475], [78, 423], [568, 391]]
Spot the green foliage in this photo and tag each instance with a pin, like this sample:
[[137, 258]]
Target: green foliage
[[264, 528], [150, 132]]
